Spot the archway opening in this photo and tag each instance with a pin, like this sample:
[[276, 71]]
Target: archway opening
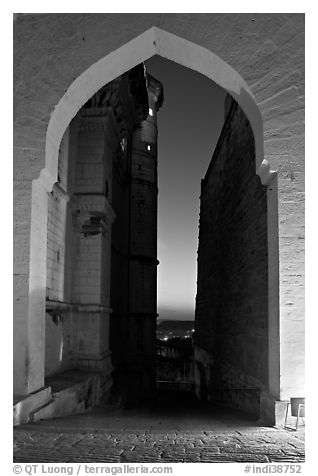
[[204, 137], [80, 92], [102, 249]]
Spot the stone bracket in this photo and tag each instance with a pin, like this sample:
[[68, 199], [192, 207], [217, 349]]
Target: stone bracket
[[265, 173], [94, 203]]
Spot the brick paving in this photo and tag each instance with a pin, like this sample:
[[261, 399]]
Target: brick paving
[[166, 434]]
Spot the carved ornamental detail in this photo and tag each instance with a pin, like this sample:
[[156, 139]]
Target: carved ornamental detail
[[125, 99]]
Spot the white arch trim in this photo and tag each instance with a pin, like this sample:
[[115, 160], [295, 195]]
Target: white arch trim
[[151, 42]]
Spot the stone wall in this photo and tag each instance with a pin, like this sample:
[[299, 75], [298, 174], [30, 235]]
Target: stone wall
[[98, 185], [232, 296], [56, 247], [119, 325], [80, 217], [59, 265], [58, 342]]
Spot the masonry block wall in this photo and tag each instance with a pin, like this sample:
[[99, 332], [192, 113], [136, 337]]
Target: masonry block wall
[[56, 247], [93, 158], [58, 326], [119, 325], [232, 297], [77, 317], [59, 226]]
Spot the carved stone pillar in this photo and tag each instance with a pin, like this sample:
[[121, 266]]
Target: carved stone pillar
[[97, 141]]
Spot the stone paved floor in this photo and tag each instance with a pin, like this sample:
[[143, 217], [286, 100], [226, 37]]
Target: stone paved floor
[[176, 433]]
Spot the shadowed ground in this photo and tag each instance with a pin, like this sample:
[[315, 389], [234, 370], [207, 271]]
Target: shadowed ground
[[174, 428]]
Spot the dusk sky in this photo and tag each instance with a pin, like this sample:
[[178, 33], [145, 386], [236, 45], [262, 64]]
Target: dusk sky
[[189, 124]]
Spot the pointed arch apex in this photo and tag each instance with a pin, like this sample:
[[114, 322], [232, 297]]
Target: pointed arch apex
[[149, 43]]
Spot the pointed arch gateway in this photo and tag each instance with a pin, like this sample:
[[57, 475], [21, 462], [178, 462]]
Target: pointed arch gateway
[[153, 42], [156, 41]]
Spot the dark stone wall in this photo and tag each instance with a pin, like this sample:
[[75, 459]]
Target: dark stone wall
[[134, 271], [119, 325], [231, 304]]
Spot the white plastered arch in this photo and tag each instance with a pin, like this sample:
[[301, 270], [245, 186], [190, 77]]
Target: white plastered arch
[[152, 42]]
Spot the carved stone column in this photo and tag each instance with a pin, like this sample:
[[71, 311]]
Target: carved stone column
[[97, 142]]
